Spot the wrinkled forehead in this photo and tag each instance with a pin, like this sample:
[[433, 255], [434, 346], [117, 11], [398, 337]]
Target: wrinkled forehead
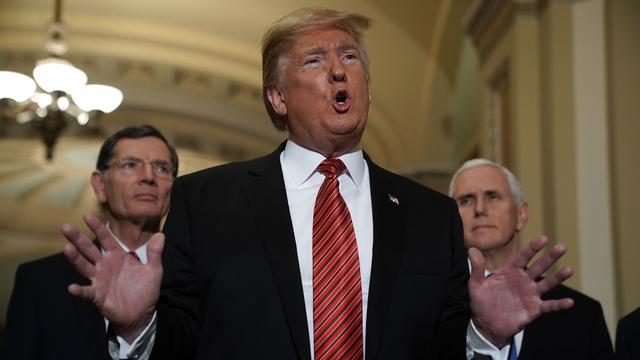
[[321, 39], [480, 179], [145, 148]]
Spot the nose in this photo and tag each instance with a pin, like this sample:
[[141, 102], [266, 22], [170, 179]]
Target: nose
[[480, 208], [148, 175], [338, 72]]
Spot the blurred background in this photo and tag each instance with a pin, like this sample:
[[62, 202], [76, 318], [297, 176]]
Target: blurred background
[[549, 88]]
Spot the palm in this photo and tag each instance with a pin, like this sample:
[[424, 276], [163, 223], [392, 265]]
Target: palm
[[506, 301], [124, 290], [510, 299]]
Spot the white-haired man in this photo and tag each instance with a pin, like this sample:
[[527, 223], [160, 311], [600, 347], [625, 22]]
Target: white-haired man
[[493, 213]]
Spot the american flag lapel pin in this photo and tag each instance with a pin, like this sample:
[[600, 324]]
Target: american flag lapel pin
[[394, 199]]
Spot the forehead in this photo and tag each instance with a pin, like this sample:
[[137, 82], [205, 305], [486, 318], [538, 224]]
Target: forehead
[[148, 147], [323, 39], [480, 179]]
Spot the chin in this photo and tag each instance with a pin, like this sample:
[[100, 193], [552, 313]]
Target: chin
[[147, 214], [351, 130], [482, 244]]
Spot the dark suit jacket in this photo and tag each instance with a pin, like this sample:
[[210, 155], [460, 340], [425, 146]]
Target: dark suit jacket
[[232, 286], [577, 333], [45, 322], [627, 335]]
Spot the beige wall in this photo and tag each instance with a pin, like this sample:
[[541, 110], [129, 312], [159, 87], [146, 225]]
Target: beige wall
[[574, 91], [623, 27]]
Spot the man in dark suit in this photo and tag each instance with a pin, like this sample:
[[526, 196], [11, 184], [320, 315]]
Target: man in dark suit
[[134, 172], [493, 213], [313, 251], [627, 335]]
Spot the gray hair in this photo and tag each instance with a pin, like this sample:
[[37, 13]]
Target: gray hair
[[514, 184]]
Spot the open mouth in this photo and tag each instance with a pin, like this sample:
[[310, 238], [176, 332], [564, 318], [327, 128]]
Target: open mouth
[[341, 101]]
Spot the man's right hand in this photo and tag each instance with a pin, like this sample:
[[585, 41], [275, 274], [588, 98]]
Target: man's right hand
[[511, 298], [124, 290]]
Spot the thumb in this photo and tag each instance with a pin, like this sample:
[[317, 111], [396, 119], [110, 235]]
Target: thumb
[[478, 265], [154, 249]]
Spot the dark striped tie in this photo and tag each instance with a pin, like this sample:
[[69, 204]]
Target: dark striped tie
[[337, 294]]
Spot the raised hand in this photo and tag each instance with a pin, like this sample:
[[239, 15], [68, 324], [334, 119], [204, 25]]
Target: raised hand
[[124, 290], [507, 301]]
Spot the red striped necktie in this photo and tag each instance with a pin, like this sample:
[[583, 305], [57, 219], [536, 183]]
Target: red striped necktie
[[337, 293]]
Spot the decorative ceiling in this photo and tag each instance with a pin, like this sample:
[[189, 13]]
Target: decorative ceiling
[[192, 68], [199, 61]]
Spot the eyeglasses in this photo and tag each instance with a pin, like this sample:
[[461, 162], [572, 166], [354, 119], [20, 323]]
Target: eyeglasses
[[135, 166]]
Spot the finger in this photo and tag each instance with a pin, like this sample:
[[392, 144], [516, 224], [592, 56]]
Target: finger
[[84, 267], [553, 280], [529, 252], [556, 305], [154, 250], [84, 292], [101, 232], [478, 265], [81, 243], [543, 263]]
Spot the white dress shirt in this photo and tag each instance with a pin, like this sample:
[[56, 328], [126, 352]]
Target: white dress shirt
[[302, 182], [138, 348]]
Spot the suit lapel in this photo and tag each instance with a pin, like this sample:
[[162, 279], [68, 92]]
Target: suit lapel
[[268, 200], [388, 234]]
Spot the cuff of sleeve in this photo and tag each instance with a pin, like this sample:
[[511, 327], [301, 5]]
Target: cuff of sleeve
[[478, 344], [142, 344]]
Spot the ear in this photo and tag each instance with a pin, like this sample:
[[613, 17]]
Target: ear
[[370, 97], [523, 216], [276, 98], [97, 183]]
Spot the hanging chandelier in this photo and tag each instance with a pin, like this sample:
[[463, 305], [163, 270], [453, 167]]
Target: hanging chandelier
[[58, 92]]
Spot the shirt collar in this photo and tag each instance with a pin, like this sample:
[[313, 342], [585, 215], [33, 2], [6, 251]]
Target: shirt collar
[[300, 163], [140, 251], [487, 273]]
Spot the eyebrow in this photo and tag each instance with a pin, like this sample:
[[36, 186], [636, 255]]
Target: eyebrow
[[322, 49], [315, 50], [344, 47], [484, 192], [135, 158], [467, 195], [494, 192]]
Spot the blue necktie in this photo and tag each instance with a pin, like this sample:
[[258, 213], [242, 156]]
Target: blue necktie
[[513, 354]]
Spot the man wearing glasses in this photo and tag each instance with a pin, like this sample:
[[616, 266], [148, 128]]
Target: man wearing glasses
[[134, 172]]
